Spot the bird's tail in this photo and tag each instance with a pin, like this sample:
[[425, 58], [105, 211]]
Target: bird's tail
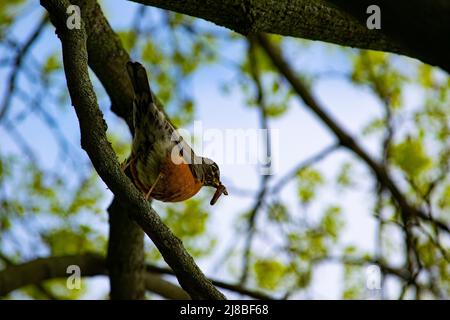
[[146, 115], [150, 123], [138, 77]]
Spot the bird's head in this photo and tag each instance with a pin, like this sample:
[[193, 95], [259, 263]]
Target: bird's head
[[211, 178]]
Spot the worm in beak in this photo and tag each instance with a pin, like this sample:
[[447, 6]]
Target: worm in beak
[[219, 190]]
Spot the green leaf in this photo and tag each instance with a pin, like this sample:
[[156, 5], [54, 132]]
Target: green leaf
[[344, 176], [278, 212], [308, 181], [275, 110], [51, 64], [411, 157], [269, 273], [425, 75], [444, 199], [128, 39], [332, 221]]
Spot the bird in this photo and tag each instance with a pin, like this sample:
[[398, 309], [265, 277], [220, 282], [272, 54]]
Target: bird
[[161, 164]]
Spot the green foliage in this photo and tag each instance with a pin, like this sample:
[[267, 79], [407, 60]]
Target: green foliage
[[411, 157], [444, 199], [188, 221], [278, 212], [354, 283], [50, 198], [121, 147], [51, 64], [432, 118], [277, 98], [308, 180], [8, 12], [74, 240], [344, 177], [425, 75], [269, 273], [332, 222], [374, 126], [375, 69], [128, 39]]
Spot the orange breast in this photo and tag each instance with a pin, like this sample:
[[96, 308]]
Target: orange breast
[[176, 184]]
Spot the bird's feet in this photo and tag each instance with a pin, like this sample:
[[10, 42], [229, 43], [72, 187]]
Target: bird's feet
[[147, 195], [124, 165]]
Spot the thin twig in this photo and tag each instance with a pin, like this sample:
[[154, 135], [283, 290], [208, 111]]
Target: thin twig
[[18, 59], [265, 177]]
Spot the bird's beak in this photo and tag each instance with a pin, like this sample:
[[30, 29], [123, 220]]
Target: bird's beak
[[219, 190]]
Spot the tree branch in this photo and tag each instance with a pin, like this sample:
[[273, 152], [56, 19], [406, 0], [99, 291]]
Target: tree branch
[[125, 242], [283, 181], [341, 22], [36, 271], [155, 283], [232, 287], [95, 143], [265, 177], [17, 64], [126, 255], [426, 38], [47, 293]]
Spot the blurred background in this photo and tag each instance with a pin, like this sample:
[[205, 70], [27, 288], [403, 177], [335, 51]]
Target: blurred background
[[319, 227]]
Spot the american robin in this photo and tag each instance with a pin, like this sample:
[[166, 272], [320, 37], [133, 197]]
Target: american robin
[[162, 165]]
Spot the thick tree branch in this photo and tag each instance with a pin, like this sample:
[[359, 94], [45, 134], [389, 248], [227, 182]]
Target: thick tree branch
[[47, 293], [36, 271], [107, 58], [94, 141], [125, 242], [426, 38], [125, 255], [345, 139], [345, 24], [310, 19]]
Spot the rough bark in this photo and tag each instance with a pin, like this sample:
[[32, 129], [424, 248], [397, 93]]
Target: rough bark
[[126, 238], [107, 58], [417, 28], [422, 26], [125, 255]]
